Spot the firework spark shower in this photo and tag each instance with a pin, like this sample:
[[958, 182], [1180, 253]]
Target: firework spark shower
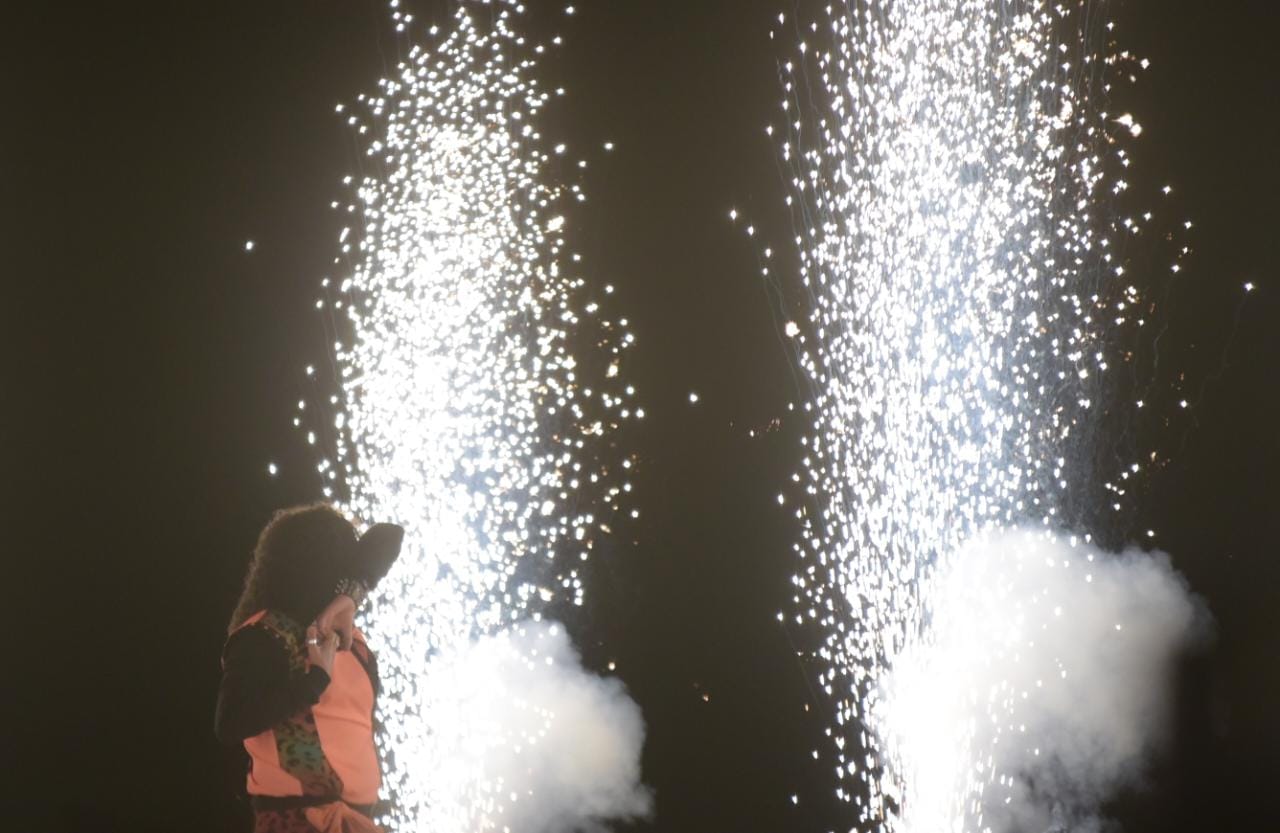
[[470, 414], [956, 177]]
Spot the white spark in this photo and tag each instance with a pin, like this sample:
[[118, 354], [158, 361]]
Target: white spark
[[464, 412], [946, 163]]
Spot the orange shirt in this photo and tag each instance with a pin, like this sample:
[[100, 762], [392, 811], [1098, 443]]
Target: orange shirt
[[325, 750]]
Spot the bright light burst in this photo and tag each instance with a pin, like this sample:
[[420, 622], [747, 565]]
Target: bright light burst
[[466, 413], [955, 175]]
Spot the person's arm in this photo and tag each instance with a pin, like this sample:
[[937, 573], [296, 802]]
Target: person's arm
[[375, 552], [258, 691]]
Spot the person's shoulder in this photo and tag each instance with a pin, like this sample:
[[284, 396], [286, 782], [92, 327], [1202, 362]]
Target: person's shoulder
[[267, 627], [266, 636]]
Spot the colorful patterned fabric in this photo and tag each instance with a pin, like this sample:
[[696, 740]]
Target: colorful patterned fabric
[[290, 759]]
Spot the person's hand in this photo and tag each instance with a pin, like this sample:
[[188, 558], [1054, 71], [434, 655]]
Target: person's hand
[[322, 648], [339, 617]]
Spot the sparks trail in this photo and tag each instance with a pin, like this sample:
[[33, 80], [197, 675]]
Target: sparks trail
[[956, 196], [480, 392]]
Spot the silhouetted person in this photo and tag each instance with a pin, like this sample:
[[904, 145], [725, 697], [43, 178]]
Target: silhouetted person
[[298, 681]]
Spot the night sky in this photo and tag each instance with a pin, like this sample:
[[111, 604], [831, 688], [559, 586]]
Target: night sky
[[152, 368]]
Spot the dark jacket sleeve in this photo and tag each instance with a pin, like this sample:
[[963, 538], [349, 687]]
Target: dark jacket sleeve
[[376, 552], [258, 691]]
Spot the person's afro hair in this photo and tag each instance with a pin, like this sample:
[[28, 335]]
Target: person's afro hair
[[300, 556]]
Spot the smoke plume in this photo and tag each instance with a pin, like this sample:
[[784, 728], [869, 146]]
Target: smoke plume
[[537, 743], [1048, 663]]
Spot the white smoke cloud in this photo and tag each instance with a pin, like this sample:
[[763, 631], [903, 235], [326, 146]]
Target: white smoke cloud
[[1040, 687], [534, 742]]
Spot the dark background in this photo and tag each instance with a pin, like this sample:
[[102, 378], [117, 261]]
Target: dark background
[[151, 368]]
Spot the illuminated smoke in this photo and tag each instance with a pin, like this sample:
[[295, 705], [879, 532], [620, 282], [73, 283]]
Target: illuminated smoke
[[1054, 661], [471, 413], [558, 746], [955, 194]]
